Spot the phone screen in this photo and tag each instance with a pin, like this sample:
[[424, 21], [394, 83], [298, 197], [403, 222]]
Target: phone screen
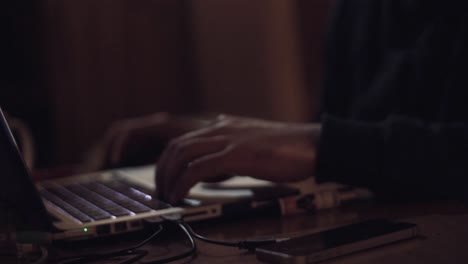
[[340, 237]]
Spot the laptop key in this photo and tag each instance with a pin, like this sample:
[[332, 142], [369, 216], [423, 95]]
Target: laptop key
[[79, 203], [117, 197], [98, 200], [65, 206], [137, 193]]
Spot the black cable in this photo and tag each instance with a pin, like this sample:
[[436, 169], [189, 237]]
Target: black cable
[[191, 252], [44, 256], [140, 253], [244, 244], [122, 252], [190, 234], [207, 240], [27, 258]]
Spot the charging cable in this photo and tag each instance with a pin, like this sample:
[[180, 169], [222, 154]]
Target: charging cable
[[44, 256], [250, 245], [191, 235], [32, 257], [134, 250], [190, 253]]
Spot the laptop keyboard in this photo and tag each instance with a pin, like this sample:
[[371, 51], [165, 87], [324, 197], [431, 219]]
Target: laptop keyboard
[[73, 211], [79, 203], [119, 198], [102, 199]]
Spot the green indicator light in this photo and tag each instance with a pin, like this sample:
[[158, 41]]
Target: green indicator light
[[85, 229]]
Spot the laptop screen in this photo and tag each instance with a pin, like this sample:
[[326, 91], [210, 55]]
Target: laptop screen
[[20, 204]]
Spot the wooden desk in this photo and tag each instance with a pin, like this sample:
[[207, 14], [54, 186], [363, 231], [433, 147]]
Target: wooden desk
[[263, 226]]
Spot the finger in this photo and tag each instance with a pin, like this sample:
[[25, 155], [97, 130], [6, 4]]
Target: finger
[[168, 152], [161, 167], [159, 176], [187, 151], [168, 156], [213, 130], [183, 152], [205, 167]]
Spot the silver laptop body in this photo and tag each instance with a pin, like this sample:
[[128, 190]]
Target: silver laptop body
[[102, 203]]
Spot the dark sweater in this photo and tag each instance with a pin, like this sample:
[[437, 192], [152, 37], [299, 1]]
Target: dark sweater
[[395, 98]]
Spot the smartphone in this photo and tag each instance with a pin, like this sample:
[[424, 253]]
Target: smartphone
[[336, 242]]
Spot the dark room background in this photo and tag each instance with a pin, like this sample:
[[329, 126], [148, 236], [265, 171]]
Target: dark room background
[[71, 68]]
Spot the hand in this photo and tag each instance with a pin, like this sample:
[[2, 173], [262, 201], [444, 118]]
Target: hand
[[278, 152], [138, 141]]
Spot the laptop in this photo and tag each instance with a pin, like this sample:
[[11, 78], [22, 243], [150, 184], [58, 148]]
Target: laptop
[[115, 201]]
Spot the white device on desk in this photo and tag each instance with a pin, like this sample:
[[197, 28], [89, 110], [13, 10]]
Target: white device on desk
[[336, 242]]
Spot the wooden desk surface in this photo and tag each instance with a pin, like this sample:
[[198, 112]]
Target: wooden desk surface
[[265, 226]]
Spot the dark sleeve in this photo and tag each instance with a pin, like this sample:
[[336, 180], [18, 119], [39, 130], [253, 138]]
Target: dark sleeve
[[399, 158], [394, 111]]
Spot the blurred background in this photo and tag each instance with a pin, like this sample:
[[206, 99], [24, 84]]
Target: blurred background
[[71, 68]]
